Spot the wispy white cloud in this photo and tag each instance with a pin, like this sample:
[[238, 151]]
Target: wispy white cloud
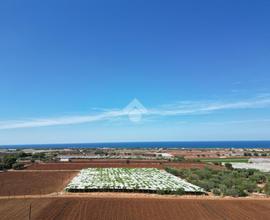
[[60, 120], [187, 108], [178, 109], [248, 121]]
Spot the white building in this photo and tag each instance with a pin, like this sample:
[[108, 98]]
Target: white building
[[164, 155], [64, 159]]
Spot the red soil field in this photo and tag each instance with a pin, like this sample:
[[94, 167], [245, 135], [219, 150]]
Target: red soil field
[[134, 209], [192, 165], [79, 166], [116, 161], [33, 183]]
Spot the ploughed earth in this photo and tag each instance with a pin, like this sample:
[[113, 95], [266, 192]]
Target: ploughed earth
[[133, 208], [78, 165], [37, 193]]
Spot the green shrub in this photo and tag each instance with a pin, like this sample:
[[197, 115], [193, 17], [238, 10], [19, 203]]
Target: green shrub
[[17, 166], [266, 188], [216, 191], [258, 178], [2, 166], [228, 166], [164, 192], [234, 192], [178, 159], [23, 154], [206, 184], [180, 191], [236, 182], [8, 160], [39, 156]]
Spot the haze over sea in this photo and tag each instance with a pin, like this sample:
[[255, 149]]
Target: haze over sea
[[159, 144]]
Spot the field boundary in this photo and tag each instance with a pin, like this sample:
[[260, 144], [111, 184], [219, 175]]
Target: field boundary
[[119, 195]]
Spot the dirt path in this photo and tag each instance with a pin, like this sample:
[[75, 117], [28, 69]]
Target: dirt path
[[133, 195]]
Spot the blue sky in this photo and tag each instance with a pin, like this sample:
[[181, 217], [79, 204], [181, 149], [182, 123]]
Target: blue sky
[[69, 68]]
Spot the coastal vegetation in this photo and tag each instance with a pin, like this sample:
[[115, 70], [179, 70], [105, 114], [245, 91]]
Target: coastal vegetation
[[15, 160], [229, 182]]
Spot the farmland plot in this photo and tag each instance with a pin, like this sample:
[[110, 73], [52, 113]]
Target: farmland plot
[[33, 183], [125, 179], [103, 208]]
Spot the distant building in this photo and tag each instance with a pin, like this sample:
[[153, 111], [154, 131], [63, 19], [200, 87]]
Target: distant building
[[64, 159], [237, 154], [164, 155]]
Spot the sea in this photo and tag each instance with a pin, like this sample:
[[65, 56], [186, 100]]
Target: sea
[[157, 144]]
